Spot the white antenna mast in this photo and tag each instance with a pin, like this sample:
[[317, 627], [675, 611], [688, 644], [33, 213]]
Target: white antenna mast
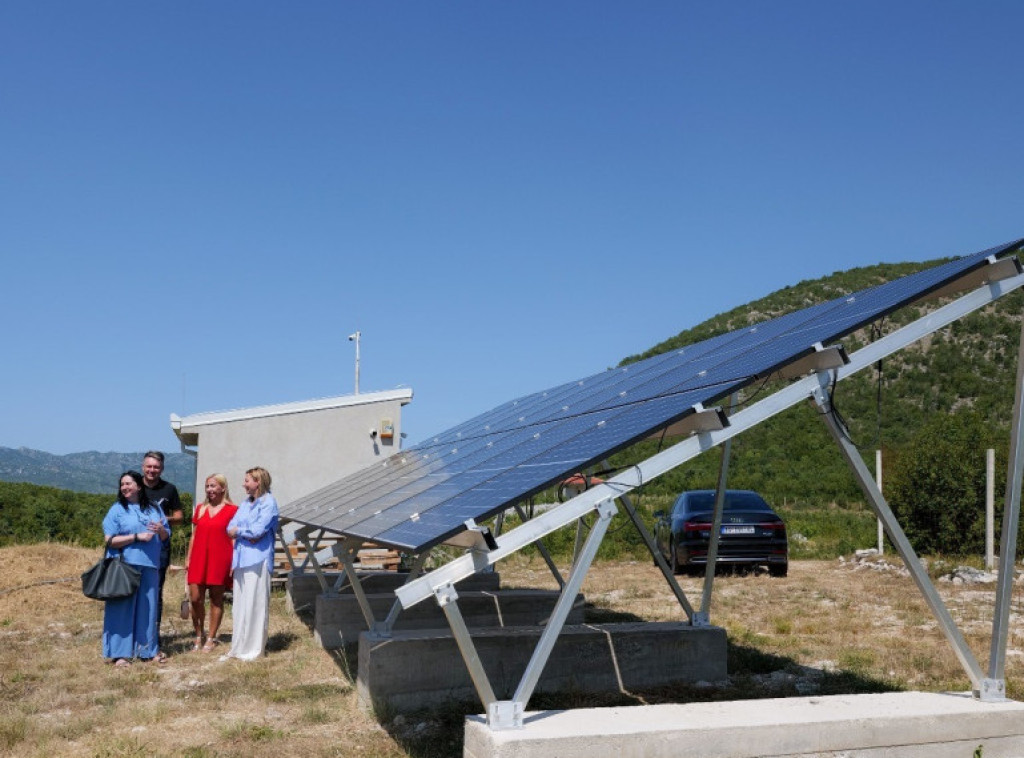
[[354, 337]]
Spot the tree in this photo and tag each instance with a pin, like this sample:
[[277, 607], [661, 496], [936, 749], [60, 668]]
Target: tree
[[936, 485]]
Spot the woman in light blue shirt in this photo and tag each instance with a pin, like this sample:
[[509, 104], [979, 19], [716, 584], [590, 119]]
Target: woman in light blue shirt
[[136, 529], [254, 528]]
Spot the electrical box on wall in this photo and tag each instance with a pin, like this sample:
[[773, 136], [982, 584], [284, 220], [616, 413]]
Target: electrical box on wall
[[387, 429]]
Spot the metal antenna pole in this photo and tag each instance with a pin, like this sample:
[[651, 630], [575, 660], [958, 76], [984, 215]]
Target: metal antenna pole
[[354, 337]]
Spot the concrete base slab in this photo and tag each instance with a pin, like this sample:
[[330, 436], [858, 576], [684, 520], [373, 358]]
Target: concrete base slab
[[302, 589], [339, 620], [423, 669], [888, 725]]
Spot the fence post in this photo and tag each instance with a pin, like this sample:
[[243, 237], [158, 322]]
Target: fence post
[[990, 509], [878, 482]]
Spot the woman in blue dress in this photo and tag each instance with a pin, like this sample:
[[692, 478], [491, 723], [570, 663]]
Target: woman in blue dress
[[136, 529]]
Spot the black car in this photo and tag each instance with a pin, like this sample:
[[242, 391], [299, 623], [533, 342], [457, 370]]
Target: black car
[[752, 534]]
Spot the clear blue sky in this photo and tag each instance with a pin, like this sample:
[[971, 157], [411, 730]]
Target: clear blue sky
[[200, 201]]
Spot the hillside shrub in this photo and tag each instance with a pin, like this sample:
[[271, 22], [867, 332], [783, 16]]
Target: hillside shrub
[[31, 513], [936, 484]]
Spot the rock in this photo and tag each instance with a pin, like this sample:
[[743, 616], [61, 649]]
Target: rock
[[969, 575]]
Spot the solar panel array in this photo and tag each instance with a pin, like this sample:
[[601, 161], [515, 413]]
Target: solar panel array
[[425, 494]]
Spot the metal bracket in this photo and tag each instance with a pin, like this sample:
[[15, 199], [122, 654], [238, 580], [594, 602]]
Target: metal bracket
[[445, 594], [995, 271], [992, 690], [505, 714], [700, 618], [475, 537], [701, 419], [822, 359]]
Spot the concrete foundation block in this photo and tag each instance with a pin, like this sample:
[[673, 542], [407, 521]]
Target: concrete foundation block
[[339, 620], [423, 669], [886, 725], [302, 589]]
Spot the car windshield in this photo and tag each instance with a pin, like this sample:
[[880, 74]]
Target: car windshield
[[734, 501]]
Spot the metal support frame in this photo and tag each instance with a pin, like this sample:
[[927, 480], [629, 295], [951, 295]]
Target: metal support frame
[[659, 560], [447, 598], [383, 629], [545, 554], [703, 618], [350, 547], [438, 583], [281, 528], [379, 629], [605, 511], [302, 535], [346, 552], [897, 536], [508, 714], [1008, 542], [578, 541]]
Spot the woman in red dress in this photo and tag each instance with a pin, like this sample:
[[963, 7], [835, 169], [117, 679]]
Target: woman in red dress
[[209, 559]]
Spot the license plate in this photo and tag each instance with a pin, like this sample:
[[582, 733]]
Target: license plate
[[738, 530]]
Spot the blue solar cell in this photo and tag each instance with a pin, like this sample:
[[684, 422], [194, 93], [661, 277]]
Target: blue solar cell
[[425, 494]]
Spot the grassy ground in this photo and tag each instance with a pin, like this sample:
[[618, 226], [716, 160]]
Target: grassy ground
[[829, 627]]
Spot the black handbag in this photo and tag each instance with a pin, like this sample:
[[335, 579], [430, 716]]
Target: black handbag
[[111, 579]]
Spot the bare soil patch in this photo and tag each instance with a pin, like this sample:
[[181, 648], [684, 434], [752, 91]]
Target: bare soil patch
[[828, 627]]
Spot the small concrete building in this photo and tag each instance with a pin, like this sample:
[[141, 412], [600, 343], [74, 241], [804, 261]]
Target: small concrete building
[[304, 445]]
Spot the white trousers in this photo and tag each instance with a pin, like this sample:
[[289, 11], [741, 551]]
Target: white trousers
[[250, 612]]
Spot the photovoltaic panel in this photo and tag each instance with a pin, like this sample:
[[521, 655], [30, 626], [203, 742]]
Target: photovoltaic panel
[[425, 494]]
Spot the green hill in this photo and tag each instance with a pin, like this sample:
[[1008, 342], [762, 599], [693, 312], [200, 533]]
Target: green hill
[[35, 513]]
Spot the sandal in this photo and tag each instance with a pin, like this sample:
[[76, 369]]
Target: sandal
[[122, 663], [159, 659], [211, 645], [198, 644]]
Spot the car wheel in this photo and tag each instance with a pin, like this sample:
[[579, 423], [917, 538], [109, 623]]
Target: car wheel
[[673, 559], [778, 569]]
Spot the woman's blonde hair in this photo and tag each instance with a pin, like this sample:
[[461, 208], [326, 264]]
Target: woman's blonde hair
[[223, 482], [262, 477]]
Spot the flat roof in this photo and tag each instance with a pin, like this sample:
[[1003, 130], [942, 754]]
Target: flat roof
[[183, 424]]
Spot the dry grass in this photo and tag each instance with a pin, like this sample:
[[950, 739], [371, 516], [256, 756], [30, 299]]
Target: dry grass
[[58, 697], [825, 628]]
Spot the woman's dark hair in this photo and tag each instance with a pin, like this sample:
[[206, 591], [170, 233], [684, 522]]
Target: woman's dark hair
[[143, 498]]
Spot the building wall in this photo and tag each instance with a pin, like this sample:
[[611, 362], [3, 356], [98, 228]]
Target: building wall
[[303, 451]]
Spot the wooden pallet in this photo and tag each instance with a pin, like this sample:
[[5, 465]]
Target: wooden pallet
[[368, 557], [378, 558]]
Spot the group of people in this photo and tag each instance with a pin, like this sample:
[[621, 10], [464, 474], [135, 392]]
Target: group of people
[[232, 546]]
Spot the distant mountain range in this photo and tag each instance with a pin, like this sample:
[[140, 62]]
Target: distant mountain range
[[87, 472]]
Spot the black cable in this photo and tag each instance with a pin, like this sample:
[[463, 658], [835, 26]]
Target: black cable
[[833, 409], [876, 333], [661, 440], [753, 396]]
